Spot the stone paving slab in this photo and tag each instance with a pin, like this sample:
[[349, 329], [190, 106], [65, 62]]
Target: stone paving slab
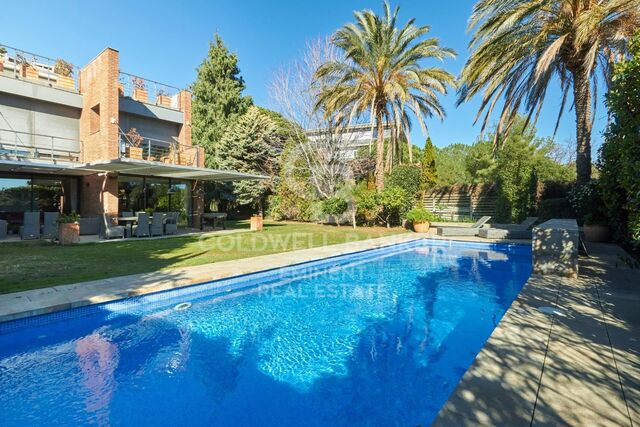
[[578, 367]]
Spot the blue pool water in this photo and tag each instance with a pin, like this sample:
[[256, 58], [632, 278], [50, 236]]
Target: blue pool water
[[379, 338]]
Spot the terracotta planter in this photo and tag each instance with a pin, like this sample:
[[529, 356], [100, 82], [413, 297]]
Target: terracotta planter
[[66, 82], [30, 72], [69, 234], [163, 100], [256, 223], [141, 95], [421, 227], [596, 233], [135, 153]]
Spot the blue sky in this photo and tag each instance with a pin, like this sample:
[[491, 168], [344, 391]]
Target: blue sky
[[166, 41]]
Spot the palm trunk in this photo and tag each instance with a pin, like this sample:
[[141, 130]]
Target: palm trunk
[[390, 152], [380, 152], [582, 100]]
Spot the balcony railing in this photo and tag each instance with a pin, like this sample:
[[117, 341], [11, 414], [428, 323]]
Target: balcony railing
[[16, 145], [148, 91], [39, 69], [137, 147]]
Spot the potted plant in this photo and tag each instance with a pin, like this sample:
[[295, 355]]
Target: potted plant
[[139, 90], [162, 98], [28, 71], [68, 228], [134, 139], [420, 219], [256, 222], [333, 207], [595, 228], [64, 71], [3, 53], [120, 89]]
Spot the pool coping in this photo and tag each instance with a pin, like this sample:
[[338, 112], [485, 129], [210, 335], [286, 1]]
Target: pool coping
[[35, 302]]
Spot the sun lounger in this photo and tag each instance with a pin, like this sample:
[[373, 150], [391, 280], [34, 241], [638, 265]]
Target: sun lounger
[[464, 231]]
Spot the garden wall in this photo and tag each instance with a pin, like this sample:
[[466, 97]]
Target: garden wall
[[459, 202]]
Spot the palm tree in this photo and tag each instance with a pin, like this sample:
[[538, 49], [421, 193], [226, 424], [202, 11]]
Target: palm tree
[[519, 46], [382, 75]]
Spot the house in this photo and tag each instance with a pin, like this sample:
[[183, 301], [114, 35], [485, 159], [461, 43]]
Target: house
[[351, 138], [96, 140]]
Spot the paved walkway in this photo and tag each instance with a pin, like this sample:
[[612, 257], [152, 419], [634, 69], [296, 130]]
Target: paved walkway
[[47, 300], [578, 367]]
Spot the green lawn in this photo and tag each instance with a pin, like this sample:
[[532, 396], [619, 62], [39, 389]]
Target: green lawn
[[37, 264]]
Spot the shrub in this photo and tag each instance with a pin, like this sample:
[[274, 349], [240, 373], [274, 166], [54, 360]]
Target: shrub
[[394, 201], [367, 204], [619, 161], [63, 68], [587, 203], [558, 207], [407, 177], [334, 206], [289, 206], [418, 215], [68, 218]]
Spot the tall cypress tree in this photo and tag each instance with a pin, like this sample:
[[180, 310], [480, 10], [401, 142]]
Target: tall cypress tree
[[217, 99], [428, 164]]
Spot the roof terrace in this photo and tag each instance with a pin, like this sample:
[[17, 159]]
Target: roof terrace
[[60, 74]]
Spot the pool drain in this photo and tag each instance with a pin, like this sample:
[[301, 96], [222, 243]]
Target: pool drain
[[182, 306]]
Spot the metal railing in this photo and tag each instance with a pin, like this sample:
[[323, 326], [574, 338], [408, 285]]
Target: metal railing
[[36, 68], [16, 145], [148, 91], [137, 147]]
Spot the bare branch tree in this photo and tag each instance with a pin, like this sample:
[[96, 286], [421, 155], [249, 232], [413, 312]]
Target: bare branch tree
[[321, 140]]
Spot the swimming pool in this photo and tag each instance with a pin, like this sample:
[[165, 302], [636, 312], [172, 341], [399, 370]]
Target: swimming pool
[[380, 337]]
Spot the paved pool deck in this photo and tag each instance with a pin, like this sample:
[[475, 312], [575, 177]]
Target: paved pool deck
[[579, 367]]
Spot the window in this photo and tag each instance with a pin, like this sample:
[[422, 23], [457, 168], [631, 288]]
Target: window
[[156, 194]]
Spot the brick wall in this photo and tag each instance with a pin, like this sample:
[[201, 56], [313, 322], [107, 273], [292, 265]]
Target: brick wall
[[99, 194], [98, 85], [99, 136], [184, 137]]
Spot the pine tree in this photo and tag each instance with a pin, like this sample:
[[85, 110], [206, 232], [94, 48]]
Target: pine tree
[[250, 145], [217, 99], [428, 164]]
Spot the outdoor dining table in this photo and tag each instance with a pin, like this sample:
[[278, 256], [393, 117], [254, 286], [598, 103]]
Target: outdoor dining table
[[129, 220], [215, 217]]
